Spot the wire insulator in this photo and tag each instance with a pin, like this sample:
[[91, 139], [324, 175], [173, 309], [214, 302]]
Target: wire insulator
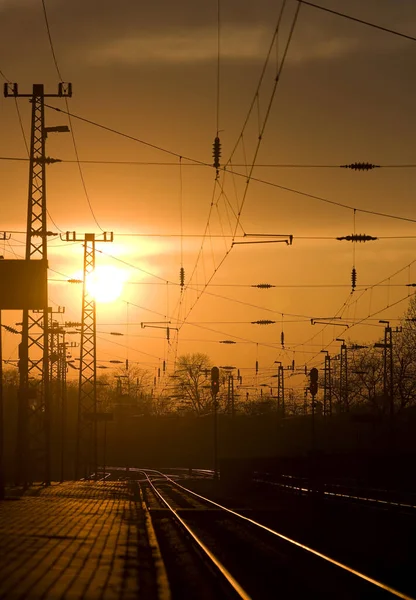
[[216, 152], [282, 339], [353, 278], [360, 166], [182, 277], [257, 366], [357, 237], [263, 322], [227, 342], [263, 286], [164, 366]]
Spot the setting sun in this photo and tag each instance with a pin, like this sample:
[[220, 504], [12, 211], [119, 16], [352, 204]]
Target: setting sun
[[105, 284]]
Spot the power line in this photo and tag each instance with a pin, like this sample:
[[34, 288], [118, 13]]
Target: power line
[[203, 164], [50, 40], [343, 15], [257, 179], [71, 129], [326, 200]]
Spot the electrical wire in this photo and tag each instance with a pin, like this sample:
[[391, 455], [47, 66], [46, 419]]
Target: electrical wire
[[202, 164], [236, 173], [71, 128], [356, 20]]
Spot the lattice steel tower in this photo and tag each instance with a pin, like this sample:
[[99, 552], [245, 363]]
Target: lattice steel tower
[[33, 436], [86, 460]]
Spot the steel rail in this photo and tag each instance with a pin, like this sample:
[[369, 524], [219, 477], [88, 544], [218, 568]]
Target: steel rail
[[224, 572], [336, 494], [326, 558]]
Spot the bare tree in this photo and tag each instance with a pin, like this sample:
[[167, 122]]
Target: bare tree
[[192, 382]]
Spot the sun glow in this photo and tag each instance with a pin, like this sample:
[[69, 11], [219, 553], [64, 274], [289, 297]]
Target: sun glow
[[105, 284]]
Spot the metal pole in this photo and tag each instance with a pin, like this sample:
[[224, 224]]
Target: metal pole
[[1, 419], [105, 447], [232, 396], [329, 386], [215, 438]]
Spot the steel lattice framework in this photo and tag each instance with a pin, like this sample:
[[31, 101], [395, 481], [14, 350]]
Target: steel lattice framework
[[33, 438], [343, 378], [327, 386], [86, 460]]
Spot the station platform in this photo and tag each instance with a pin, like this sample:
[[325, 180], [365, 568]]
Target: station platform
[[76, 540]]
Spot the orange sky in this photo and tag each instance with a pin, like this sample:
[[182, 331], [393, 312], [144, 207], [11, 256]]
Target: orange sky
[[346, 93]]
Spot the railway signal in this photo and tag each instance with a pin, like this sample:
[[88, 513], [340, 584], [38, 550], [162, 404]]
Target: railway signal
[[215, 380], [313, 377]]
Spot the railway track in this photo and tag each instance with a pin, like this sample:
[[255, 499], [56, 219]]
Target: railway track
[[374, 497], [210, 551]]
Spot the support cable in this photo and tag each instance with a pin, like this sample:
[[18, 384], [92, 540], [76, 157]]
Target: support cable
[[71, 129]]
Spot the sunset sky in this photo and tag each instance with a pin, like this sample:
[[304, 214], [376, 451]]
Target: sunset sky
[[347, 93]]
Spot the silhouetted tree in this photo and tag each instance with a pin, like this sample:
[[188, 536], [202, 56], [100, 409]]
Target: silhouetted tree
[[192, 383]]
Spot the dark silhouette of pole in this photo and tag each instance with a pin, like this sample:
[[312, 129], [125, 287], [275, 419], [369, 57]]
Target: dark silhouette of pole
[[327, 384], [313, 387], [33, 449], [1, 418], [215, 386], [388, 372], [343, 376]]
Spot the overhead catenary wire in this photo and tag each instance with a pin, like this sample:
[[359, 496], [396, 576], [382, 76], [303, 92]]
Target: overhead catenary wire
[[238, 174], [357, 20], [71, 128]]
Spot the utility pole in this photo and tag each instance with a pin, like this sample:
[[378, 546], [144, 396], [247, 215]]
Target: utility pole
[[33, 436], [215, 386], [230, 395], [388, 377], [280, 389], [86, 459], [343, 376], [327, 384]]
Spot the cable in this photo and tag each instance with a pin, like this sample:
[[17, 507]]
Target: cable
[[265, 121], [225, 168], [339, 14], [50, 41], [202, 164], [71, 129], [321, 199]]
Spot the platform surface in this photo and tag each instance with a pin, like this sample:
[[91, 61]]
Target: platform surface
[[73, 540]]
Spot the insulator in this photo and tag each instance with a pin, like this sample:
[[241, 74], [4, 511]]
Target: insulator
[[263, 322], [164, 366], [353, 278], [227, 342], [261, 393], [182, 277], [360, 166], [216, 152], [127, 364], [293, 364], [238, 373], [306, 370], [263, 286], [11, 329], [167, 333], [74, 280], [357, 237], [282, 338], [257, 366], [158, 372]]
